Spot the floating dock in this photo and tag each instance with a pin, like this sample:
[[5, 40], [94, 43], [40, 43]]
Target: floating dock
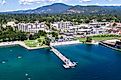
[[68, 63]]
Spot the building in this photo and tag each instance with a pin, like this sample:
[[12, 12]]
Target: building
[[99, 24], [12, 24], [62, 26], [80, 29], [31, 27]]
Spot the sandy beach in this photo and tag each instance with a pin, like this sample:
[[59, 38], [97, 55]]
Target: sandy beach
[[65, 43]]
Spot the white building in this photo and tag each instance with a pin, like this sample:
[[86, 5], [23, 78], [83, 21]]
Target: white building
[[31, 27], [99, 31], [12, 24], [99, 24], [80, 29], [62, 26]]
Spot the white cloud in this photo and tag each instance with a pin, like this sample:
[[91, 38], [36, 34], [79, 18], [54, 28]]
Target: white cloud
[[85, 0], [2, 2], [29, 1], [38, 1]]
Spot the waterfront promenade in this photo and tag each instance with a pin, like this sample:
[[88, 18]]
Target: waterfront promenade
[[68, 63], [21, 44], [65, 43]]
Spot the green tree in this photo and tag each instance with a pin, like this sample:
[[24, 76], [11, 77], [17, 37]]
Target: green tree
[[55, 34], [88, 39]]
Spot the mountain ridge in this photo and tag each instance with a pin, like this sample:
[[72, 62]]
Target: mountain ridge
[[61, 8]]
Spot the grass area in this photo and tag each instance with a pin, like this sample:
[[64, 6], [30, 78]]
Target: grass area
[[104, 38], [98, 38], [35, 43], [31, 43], [82, 39]]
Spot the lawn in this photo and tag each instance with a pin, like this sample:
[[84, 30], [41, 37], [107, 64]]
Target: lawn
[[104, 38], [98, 38], [35, 43], [31, 43]]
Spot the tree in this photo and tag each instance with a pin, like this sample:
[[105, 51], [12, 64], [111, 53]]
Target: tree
[[114, 24], [8, 34], [47, 41], [55, 34], [48, 25], [42, 33], [39, 40], [88, 39]]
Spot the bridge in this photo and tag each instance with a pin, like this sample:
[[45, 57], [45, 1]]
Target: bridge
[[68, 63]]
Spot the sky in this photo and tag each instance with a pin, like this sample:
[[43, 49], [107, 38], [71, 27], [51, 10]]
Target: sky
[[14, 5]]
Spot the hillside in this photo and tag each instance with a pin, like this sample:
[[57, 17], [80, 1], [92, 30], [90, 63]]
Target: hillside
[[60, 8], [94, 10]]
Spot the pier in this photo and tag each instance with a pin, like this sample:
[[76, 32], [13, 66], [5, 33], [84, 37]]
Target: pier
[[68, 63]]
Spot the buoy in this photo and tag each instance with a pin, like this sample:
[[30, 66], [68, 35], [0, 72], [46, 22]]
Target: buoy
[[19, 57], [3, 62], [26, 74], [29, 78]]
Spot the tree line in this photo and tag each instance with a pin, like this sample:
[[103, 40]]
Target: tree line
[[9, 34], [76, 18]]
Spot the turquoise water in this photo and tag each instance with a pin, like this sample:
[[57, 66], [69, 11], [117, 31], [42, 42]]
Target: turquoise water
[[95, 62]]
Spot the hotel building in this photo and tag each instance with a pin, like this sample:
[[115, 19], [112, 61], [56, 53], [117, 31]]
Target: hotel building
[[31, 27]]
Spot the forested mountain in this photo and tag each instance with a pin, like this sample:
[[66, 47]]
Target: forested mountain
[[49, 9], [60, 8], [94, 10]]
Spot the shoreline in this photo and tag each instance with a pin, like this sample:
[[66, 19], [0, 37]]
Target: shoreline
[[65, 43], [103, 44], [21, 44]]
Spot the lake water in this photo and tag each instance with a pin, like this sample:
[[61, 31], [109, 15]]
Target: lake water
[[95, 62]]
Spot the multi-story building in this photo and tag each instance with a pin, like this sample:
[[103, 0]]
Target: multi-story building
[[31, 27], [62, 26], [94, 23], [80, 29], [99, 24], [12, 24]]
